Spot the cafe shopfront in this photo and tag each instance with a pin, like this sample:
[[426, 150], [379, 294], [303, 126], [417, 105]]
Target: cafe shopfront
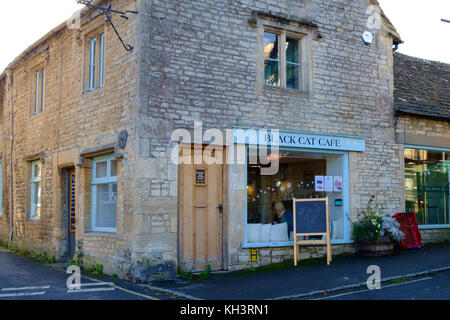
[[282, 165]]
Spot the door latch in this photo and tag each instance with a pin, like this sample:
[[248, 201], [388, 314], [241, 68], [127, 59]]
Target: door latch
[[220, 207]]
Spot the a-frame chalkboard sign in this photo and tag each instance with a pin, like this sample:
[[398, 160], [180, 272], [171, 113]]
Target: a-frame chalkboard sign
[[311, 218]]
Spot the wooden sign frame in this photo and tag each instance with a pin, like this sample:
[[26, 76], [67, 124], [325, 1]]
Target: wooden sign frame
[[327, 241]]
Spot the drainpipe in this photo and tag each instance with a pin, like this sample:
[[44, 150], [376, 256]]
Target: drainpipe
[[11, 138]]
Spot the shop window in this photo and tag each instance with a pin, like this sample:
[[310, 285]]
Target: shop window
[[94, 60], [35, 190], [427, 180], [38, 90], [104, 193], [301, 175]]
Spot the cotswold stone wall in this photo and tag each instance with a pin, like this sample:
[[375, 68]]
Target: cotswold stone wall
[[199, 62], [72, 122]]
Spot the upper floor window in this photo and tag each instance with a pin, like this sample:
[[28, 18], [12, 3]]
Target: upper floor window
[[282, 60], [38, 90], [94, 56], [35, 190], [104, 193]]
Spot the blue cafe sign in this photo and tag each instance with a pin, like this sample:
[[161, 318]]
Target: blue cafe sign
[[297, 139]]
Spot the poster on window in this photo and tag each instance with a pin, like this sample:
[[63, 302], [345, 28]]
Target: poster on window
[[319, 183], [329, 184], [338, 183]]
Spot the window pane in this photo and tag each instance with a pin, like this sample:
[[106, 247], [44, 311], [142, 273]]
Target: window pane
[[271, 62], [270, 46], [292, 53], [36, 170], [271, 72], [427, 186], [92, 64], [106, 198], [292, 76], [35, 199], [100, 169], [113, 165], [36, 102]]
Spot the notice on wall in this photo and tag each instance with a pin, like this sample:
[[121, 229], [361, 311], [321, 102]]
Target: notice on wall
[[338, 183], [329, 184], [319, 183]]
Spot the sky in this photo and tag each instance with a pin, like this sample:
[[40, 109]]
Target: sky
[[419, 25], [418, 22]]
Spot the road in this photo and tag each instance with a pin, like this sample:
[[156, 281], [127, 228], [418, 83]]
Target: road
[[22, 278], [431, 287]]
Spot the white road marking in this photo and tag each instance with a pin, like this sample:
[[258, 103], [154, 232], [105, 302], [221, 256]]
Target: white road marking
[[22, 294], [90, 290], [382, 287], [25, 288]]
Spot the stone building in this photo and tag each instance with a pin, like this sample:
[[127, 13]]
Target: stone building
[[422, 113], [95, 139]]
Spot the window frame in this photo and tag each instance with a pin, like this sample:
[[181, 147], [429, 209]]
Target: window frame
[[33, 180], [417, 147], [94, 58], [346, 198], [101, 181], [37, 89], [304, 36]]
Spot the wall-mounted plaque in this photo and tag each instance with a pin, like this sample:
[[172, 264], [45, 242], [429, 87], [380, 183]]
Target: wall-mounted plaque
[[200, 176]]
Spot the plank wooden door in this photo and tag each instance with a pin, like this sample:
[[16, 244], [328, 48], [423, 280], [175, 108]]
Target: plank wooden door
[[201, 212]]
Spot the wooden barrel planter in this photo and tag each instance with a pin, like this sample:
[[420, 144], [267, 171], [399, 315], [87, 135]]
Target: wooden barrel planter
[[382, 247]]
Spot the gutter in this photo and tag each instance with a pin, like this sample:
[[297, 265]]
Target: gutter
[[422, 116]]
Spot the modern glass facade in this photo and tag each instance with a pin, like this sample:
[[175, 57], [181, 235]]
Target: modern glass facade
[[427, 180]]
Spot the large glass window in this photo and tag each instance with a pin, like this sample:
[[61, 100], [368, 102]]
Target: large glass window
[[35, 190], [104, 194], [270, 197], [427, 179]]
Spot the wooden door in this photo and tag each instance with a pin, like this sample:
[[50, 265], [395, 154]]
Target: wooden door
[[201, 211]]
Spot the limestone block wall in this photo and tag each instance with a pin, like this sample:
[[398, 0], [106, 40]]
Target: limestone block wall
[[199, 62], [74, 122]]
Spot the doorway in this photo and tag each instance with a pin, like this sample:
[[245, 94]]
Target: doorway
[[201, 209], [71, 218]]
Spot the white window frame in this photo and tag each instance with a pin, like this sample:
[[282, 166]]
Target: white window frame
[[345, 194], [39, 97], [96, 55], [34, 205], [100, 181], [419, 147]]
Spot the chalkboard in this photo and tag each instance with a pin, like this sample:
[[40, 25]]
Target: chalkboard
[[311, 216], [311, 219]]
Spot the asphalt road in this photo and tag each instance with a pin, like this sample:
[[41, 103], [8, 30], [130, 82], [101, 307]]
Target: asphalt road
[[432, 287], [22, 278]]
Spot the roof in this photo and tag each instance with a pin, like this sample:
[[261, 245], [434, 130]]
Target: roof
[[421, 88]]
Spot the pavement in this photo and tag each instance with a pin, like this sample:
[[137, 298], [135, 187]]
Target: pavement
[[22, 278], [312, 278], [417, 273]]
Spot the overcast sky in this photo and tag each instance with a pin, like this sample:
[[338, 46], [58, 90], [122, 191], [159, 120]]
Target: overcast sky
[[418, 22]]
